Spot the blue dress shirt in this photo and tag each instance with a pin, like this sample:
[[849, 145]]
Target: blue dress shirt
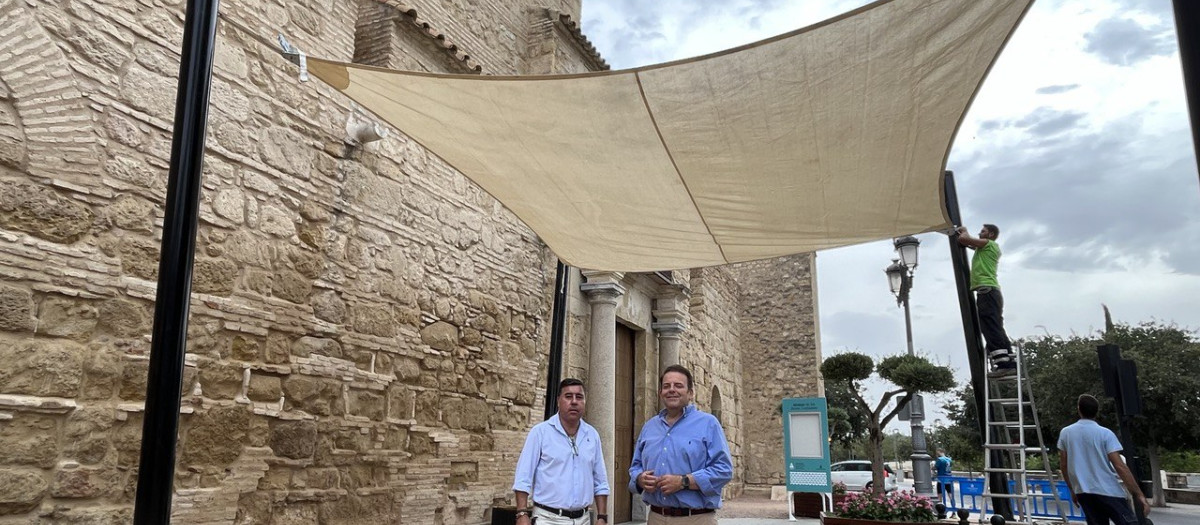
[[558, 474], [694, 445]]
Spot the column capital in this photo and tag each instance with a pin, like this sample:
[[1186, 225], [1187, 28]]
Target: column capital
[[669, 330], [602, 292]]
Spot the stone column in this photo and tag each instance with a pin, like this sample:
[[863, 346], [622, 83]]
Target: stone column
[[670, 315], [603, 290]]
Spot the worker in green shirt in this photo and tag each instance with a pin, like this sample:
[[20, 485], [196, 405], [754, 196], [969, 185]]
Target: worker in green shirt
[[988, 297]]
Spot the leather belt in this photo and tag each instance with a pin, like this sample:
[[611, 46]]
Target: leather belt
[[573, 514], [678, 511]]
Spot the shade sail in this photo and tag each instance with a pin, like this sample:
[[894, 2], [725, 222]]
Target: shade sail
[[831, 135]]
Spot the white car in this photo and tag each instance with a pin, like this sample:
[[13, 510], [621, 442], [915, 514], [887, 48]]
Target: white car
[[856, 474]]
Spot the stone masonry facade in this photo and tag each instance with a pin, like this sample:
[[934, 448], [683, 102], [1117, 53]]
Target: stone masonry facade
[[368, 331]]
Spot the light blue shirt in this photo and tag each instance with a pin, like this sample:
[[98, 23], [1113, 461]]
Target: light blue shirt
[[558, 474], [694, 445], [1087, 445]]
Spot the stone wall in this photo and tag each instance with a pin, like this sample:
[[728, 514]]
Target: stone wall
[[363, 318], [368, 329], [713, 352], [781, 354]]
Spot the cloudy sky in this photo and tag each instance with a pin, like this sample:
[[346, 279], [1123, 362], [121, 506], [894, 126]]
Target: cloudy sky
[[1078, 147]]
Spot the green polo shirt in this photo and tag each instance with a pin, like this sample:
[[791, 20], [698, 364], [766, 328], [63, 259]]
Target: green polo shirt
[[983, 266]]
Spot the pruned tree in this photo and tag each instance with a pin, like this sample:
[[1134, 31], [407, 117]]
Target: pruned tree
[[911, 374]]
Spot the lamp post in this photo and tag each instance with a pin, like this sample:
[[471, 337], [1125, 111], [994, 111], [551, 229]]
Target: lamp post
[[900, 276]]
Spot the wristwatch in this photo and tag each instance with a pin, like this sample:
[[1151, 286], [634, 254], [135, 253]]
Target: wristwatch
[[602, 517], [522, 513], [686, 485]]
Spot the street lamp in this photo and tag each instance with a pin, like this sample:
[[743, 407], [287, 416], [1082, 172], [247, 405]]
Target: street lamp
[[900, 278]]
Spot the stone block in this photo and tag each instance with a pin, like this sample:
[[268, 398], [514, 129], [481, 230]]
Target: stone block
[[307, 346], [368, 404], [74, 481], [245, 348], [21, 490], [124, 318], [264, 388], [40, 211], [40, 367], [278, 349], [374, 319], [441, 336], [86, 433], [294, 439], [291, 286], [214, 437], [214, 276], [133, 380], [221, 380], [29, 439], [328, 306], [131, 213], [16, 309], [65, 317]]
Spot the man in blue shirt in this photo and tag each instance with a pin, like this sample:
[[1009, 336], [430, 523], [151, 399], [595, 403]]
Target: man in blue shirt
[[562, 466], [681, 460], [1090, 458], [941, 469]]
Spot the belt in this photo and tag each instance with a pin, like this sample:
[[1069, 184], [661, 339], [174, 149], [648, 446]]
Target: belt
[[573, 514], [678, 511]]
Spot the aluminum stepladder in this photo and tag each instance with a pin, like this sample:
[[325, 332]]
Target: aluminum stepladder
[[1010, 408]]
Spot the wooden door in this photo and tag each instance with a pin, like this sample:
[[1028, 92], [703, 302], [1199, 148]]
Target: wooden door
[[623, 431]]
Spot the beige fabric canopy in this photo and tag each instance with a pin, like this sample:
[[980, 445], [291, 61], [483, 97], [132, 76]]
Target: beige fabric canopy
[[831, 135]]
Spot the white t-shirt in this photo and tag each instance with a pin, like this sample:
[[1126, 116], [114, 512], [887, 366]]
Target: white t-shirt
[[1087, 445]]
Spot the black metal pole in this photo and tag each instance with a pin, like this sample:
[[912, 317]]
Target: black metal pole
[[558, 325], [1187, 22], [156, 471], [970, 320]]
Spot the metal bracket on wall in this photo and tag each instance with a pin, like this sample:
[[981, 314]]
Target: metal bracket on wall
[[295, 55]]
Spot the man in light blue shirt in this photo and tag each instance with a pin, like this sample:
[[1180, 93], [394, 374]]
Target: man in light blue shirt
[[562, 466], [681, 459], [1090, 459]]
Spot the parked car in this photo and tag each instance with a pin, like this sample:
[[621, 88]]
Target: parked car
[[856, 474]]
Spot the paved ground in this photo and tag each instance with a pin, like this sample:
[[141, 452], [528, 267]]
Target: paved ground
[[1176, 514], [744, 511]]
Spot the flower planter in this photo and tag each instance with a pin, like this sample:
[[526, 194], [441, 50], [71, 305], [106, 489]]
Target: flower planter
[[834, 520]]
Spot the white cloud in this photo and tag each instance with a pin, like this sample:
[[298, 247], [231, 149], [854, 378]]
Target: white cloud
[[1078, 146]]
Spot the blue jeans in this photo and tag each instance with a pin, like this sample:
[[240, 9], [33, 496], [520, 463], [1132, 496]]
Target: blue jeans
[[1099, 510]]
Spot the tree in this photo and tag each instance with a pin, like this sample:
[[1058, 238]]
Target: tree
[[911, 373], [961, 438], [847, 419], [1168, 363]]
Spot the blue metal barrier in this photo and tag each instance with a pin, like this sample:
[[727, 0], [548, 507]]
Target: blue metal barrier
[[960, 492]]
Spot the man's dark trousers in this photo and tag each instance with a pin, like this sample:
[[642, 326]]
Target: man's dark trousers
[[991, 322], [1100, 510]]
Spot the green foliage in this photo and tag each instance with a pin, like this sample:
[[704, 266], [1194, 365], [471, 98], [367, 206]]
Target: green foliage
[[847, 417], [850, 366], [1184, 461], [1168, 362], [916, 374]]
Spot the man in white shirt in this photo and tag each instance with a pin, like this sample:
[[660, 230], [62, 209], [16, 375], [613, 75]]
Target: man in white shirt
[[1090, 458], [562, 466]]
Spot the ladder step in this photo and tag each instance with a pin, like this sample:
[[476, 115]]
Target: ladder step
[[1014, 448], [1010, 401], [1015, 471], [1011, 425], [1020, 495]]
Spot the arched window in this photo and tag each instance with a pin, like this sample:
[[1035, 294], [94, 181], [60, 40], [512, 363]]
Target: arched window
[[716, 404]]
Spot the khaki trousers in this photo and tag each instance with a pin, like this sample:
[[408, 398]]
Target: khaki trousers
[[654, 518]]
